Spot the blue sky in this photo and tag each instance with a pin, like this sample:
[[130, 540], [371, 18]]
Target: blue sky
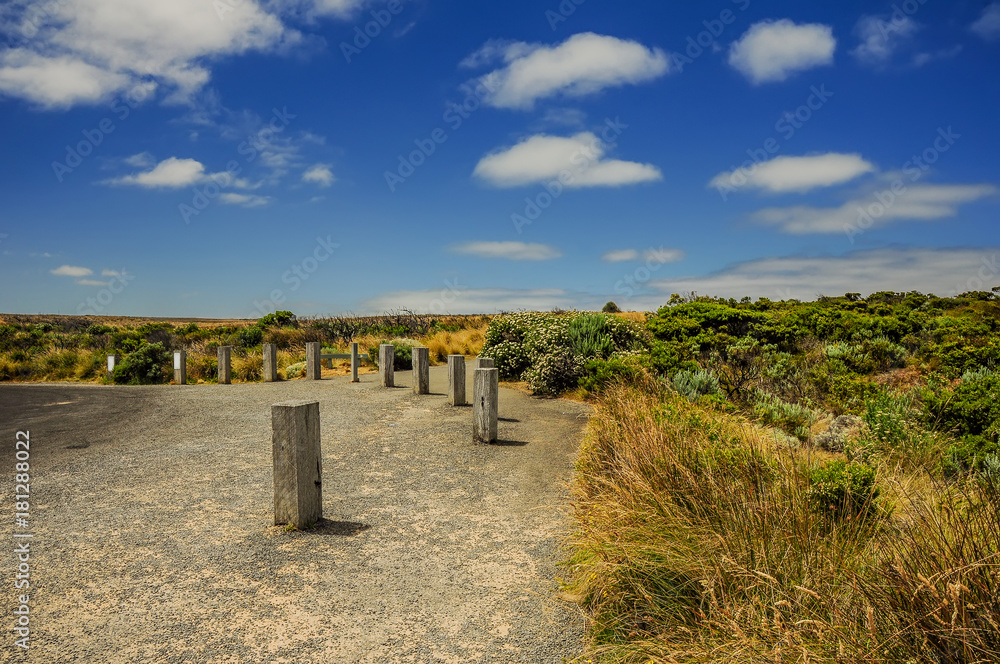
[[225, 158]]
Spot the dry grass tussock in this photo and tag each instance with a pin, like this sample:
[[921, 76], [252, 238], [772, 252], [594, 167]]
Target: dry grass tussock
[[698, 541]]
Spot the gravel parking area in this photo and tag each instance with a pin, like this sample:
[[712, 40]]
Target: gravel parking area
[[151, 509]]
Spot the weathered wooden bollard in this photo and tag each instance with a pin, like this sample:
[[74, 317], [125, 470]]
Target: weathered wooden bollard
[[112, 363], [456, 380], [485, 363], [180, 367], [225, 365], [485, 405], [421, 370], [354, 361], [298, 471], [270, 363], [314, 363], [386, 357]]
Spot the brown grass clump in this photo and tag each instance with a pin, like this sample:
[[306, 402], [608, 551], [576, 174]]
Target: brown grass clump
[[698, 541], [463, 342]]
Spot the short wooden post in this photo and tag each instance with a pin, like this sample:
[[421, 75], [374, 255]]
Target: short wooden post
[[180, 367], [421, 370], [485, 406], [298, 471], [112, 363], [225, 365], [354, 361], [485, 363], [456, 380], [314, 366], [386, 357], [270, 363]]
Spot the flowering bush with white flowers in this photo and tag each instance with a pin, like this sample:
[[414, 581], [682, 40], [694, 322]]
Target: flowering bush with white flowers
[[550, 351]]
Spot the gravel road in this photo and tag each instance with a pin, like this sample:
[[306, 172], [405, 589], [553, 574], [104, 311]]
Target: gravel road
[[151, 509]]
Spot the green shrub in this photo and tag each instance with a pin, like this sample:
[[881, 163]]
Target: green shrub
[[295, 370], [844, 489], [695, 384], [402, 354], [143, 366], [97, 330], [251, 336], [611, 308], [510, 358], [971, 454], [589, 336], [598, 374], [971, 409], [791, 418]]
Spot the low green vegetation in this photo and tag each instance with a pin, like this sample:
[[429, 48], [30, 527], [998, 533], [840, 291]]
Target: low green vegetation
[[781, 481], [34, 348]]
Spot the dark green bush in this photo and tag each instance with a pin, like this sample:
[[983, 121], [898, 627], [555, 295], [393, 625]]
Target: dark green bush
[[402, 355], [251, 336], [611, 308], [844, 489], [144, 366], [598, 374], [97, 330]]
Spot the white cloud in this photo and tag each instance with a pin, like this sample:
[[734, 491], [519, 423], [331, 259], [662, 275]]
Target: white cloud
[[515, 251], [245, 200], [170, 173], [799, 174], [471, 301], [880, 39], [771, 50], [662, 255], [91, 282], [939, 271], [584, 64], [72, 271], [620, 255], [141, 160], [84, 51], [577, 161], [987, 25], [918, 202], [659, 256], [319, 174]]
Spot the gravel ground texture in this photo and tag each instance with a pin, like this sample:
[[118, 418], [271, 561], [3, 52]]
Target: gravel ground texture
[[152, 508]]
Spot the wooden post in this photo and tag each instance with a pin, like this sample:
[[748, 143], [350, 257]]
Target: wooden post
[[298, 470], [180, 367], [354, 361], [485, 363], [485, 406], [456, 380], [112, 363], [270, 363], [314, 366], [225, 365], [386, 357], [421, 370]]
